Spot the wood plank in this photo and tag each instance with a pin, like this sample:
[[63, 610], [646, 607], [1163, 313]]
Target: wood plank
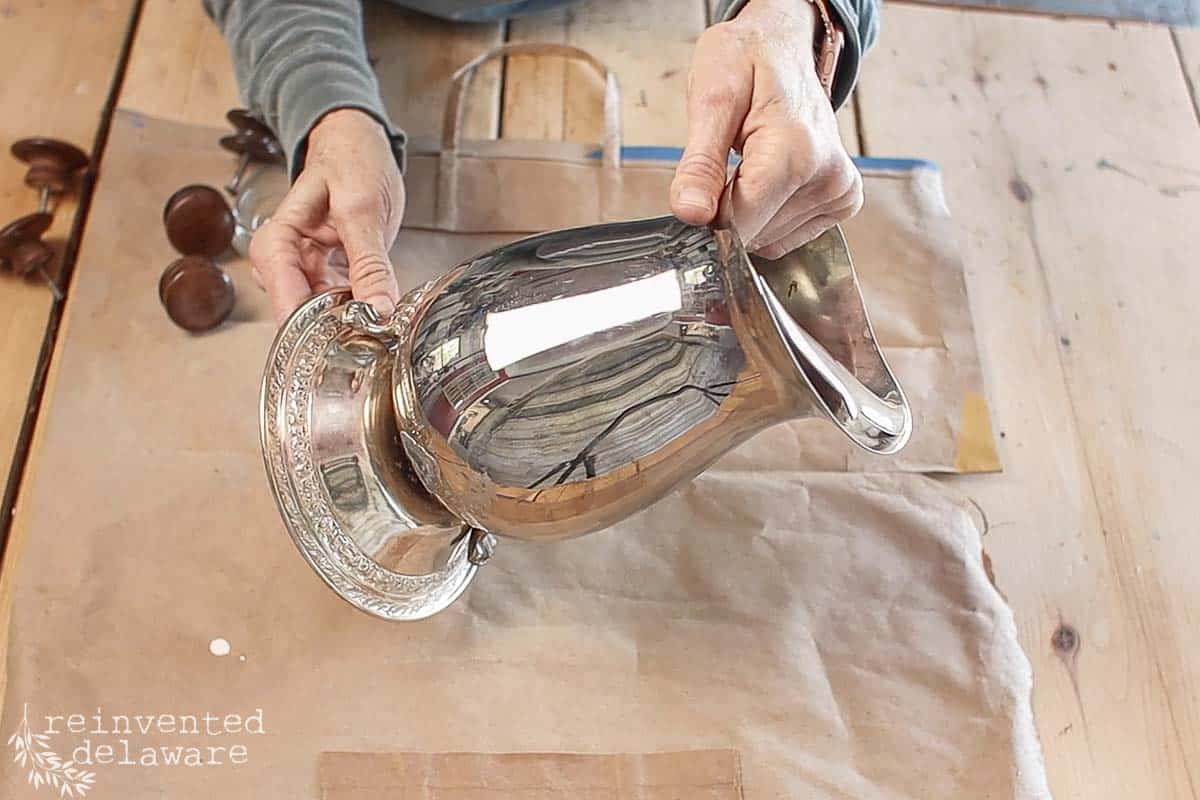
[[179, 67], [1171, 12], [1071, 158], [847, 120], [534, 86], [414, 56], [59, 64], [68, 51], [1187, 46], [547, 98]]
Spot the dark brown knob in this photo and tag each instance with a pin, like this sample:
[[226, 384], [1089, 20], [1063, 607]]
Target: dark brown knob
[[52, 165], [199, 222], [196, 293], [252, 141], [23, 251], [21, 245]]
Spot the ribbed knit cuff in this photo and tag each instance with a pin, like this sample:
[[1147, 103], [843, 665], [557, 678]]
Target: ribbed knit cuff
[[315, 82]]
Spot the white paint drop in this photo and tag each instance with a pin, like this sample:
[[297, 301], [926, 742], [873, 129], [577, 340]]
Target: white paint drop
[[219, 647], [242, 657]]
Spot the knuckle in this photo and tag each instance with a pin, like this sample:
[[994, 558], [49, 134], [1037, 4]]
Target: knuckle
[[371, 204], [856, 201], [798, 157], [719, 36], [756, 187], [841, 178], [850, 200], [816, 228], [358, 206], [704, 166], [712, 95], [370, 270], [262, 244]]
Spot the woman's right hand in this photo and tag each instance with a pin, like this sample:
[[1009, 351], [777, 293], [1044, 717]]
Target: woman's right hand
[[338, 221]]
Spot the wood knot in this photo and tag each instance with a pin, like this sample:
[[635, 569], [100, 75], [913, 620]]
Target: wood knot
[[1020, 189], [1065, 640]]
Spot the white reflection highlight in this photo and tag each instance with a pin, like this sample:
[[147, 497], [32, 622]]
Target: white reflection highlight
[[522, 332]]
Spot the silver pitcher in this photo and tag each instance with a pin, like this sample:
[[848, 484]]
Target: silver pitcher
[[550, 388]]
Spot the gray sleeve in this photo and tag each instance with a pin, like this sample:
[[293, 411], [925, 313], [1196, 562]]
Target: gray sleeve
[[860, 19], [296, 60]]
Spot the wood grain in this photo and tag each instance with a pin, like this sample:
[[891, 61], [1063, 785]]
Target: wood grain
[[1072, 159], [1171, 12], [59, 61], [414, 56], [1187, 47], [546, 97], [179, 67], [649, 51]]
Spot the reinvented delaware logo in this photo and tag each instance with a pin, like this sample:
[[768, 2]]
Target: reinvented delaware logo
[[158, 740], [46, 767]]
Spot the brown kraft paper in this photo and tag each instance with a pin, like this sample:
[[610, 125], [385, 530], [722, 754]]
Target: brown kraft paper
[[687, 775], [837, 630]]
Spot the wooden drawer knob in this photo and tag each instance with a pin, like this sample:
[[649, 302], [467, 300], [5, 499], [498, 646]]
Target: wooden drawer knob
[[198, 221], [196, 293], [21, 247], [252, 141], [52, 166]]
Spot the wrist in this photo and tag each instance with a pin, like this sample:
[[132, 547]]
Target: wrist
[[812, 21], [337, 124], [797, 18]]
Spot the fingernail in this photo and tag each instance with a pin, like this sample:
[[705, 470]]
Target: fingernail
[[383, 305], [696, 198]]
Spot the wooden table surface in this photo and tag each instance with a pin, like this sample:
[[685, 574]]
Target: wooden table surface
[[60, 62], [1071, 157]]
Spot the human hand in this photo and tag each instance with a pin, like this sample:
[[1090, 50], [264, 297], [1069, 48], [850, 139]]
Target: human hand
[[754, 88], [337, 221]]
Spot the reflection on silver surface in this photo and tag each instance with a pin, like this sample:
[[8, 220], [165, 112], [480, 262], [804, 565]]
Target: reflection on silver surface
[[260, 193], [607, 356], [554, 386]]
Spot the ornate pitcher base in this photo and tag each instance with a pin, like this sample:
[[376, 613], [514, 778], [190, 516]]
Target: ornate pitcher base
[[347, 495]]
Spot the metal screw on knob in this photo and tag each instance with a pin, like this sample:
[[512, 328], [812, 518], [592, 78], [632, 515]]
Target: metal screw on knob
[[23, 251], [52, 167], [252, 141]]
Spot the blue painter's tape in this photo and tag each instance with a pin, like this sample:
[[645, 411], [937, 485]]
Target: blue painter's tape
[[664, 153], [899, 164]]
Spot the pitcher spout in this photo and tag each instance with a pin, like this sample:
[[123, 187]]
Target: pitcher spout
[[816, 306]]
